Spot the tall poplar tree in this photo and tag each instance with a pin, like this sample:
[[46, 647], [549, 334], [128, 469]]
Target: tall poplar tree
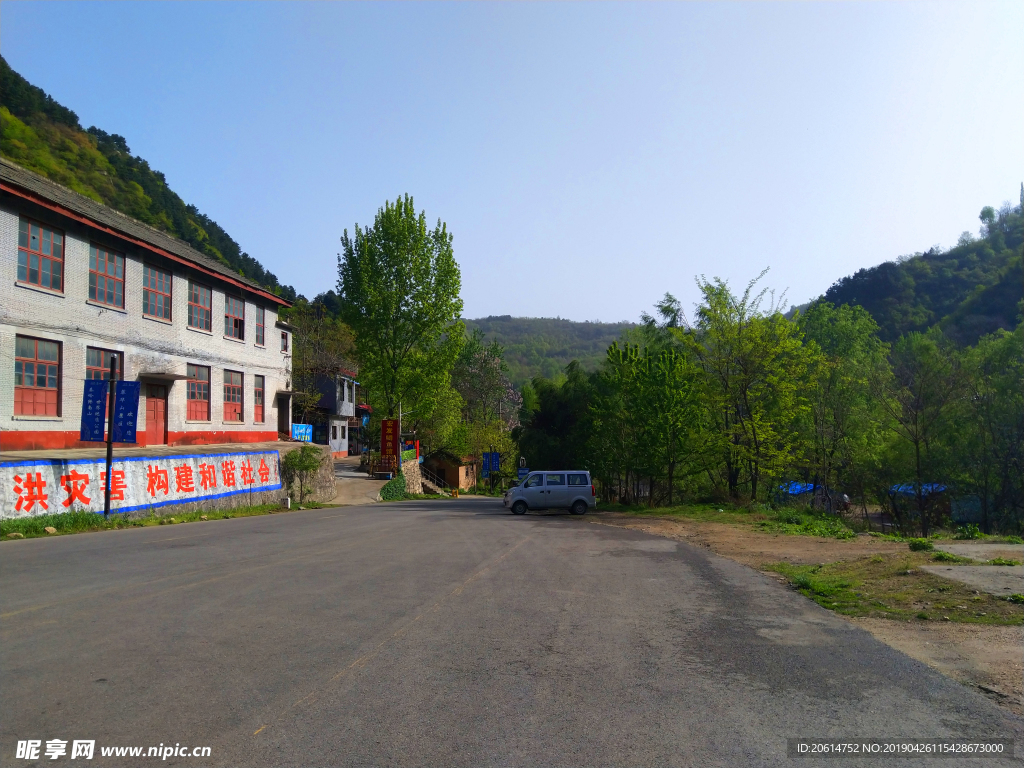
[[398, 284]]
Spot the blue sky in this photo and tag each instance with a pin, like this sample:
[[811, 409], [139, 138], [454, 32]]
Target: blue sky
[[587, 157]]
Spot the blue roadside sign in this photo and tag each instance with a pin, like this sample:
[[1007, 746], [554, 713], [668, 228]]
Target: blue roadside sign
[[487, 464], [523, 472], [495, 462], [126, 411], [303, 432], [94, 410]]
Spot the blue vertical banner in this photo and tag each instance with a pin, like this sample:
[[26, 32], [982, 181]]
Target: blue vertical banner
[[94, 410], [126, 411], [494, 462]]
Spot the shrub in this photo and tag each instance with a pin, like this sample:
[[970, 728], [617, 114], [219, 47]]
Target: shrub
[[920, 545], [969, 531], [946, 557], [394, 489], [300, 465], [1003, 561]]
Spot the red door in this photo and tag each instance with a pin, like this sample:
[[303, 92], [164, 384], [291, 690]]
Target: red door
[[156, 414]]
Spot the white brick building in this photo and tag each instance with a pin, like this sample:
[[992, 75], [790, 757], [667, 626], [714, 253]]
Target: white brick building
[[79, 281]]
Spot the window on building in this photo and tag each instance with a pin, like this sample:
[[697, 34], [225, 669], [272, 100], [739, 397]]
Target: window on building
[[261, 326], [284, 341], [156, 292], [232, 396], [36, 377], [234, 317], [334, 431], [343, 430], [97, 363], [198, 393], [200, 307], [40, 255], [106, 276], [257, 399]]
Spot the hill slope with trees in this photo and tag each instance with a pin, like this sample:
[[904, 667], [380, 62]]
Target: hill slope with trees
[[973, 289], [543, 346], [44, 136]]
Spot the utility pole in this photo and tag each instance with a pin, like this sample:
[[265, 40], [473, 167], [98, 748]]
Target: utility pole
[[110, 432]]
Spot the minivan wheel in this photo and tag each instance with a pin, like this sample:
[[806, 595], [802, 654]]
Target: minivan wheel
[[579, 508], [519, 508]]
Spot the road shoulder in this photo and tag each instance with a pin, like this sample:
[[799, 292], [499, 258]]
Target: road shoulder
[[982, 656]]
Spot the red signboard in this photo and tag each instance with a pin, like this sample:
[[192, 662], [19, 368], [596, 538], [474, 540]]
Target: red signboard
[[389, 437]]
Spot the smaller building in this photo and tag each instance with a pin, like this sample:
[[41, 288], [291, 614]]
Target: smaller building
[[338, 421], [453, 471]]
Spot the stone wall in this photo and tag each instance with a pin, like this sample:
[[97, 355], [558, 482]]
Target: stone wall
[[322, 486], [413, 477]]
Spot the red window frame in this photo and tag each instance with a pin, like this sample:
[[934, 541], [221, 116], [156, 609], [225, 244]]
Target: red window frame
[[97, 363], [233, 384], [37, 378], [198, 393], [261, 317], [258, 393], [234, 317], [40, 255], [156, 292], [106, 276], [200, 306]]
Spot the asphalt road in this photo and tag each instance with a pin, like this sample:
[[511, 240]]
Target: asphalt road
[[441, 634]]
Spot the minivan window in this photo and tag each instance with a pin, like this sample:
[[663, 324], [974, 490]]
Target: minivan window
[[556, 479], [578, 480], [533, 481]]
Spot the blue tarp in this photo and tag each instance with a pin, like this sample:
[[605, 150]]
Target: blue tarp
[[795, 489], [907, 489]]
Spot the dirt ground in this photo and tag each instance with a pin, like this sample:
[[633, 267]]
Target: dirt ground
[[990, 658]]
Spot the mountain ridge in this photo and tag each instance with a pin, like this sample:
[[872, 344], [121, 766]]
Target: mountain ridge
[[41, 135]]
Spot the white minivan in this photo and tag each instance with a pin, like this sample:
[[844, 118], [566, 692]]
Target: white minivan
[[570, 490]]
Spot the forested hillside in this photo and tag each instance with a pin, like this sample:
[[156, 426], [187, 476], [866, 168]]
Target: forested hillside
[[973, 289], [543, 346], [39, 134]]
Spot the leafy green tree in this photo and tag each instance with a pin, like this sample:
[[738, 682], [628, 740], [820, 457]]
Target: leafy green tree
[[989, 430], [322, 345], [555, 426], [919, 395], [752, 365], [398, 289], [843, 423]]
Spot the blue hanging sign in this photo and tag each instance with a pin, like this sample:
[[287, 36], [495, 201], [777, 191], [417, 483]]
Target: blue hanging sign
[[303, 432], [94, 410], [494, 462], [523, 472], [126, 410]]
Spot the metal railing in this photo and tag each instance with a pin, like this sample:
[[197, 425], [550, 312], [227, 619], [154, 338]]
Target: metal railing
[[433, 479]]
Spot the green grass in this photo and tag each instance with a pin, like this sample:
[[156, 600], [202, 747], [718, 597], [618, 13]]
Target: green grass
[[947, 557], [1003, 561], [85, 522], [890, 586], [787, 520]]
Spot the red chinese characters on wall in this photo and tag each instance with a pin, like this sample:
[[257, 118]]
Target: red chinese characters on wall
[[82, 486]]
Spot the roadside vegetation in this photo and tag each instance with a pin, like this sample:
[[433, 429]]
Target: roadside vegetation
[[744, 403], [88, 522], [793, 521], [890, 586]]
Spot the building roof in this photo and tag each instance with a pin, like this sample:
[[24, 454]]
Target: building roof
[[31, 186]]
